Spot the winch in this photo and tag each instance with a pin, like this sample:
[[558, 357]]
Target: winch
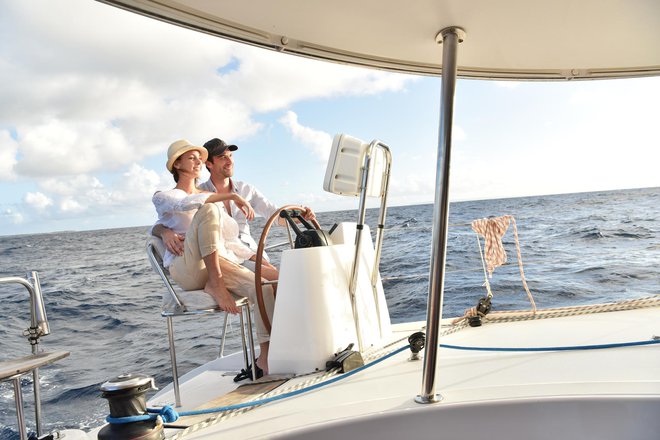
[[126, 398]]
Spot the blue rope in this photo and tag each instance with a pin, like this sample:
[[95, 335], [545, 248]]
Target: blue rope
[[169, 414], [564, 348]]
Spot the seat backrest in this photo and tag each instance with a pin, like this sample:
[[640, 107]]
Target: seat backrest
[[155, 252], [177, 300]]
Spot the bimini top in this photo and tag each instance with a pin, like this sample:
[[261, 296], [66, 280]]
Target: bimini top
[[506, 39]]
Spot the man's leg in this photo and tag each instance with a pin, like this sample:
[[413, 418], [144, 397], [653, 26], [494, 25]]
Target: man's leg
[[240, 281]]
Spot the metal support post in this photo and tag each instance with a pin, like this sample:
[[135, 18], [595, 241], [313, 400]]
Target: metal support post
[[175, 370], [449, 37]]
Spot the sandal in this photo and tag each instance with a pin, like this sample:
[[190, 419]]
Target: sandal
[[245, 374]]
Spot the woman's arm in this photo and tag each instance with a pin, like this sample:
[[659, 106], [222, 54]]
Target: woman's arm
[[242, 204]]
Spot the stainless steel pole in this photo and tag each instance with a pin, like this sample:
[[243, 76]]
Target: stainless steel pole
[[381, 226], [175, 370], [40, 325], [449, 37], [362, 209], [18, 399]]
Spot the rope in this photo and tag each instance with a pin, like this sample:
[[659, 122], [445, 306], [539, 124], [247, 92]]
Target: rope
[[483, 264], [559, 348], [523, 315], [492, 229], [168, 414], [374, 355], [520, 265], [276, 395], [494, 255]]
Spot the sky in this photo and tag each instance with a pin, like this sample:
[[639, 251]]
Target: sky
[[92, 96]]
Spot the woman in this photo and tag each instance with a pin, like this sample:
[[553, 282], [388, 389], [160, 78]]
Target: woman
[[213, 253]]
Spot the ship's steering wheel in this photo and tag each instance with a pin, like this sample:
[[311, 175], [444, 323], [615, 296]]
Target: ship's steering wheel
[[260, 256]]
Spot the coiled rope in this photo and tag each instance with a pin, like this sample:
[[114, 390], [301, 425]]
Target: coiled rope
[[494, 255]]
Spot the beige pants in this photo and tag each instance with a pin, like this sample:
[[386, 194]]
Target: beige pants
[[189, 270]]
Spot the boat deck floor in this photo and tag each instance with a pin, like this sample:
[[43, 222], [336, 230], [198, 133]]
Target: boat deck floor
[[487, 380]]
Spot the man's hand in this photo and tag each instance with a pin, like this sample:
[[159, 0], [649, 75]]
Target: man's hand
[[308, 214], [172, 241]]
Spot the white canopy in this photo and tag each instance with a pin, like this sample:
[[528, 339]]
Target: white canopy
[[516, 39]]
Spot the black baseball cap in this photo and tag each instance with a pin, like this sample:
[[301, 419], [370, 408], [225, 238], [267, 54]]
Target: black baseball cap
[[217, 146]]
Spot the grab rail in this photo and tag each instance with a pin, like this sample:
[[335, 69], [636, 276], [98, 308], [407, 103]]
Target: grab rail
[[368, 157], [38, 327]]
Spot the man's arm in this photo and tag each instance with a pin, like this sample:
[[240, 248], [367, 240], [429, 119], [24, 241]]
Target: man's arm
[[264, 207], [172, 241]]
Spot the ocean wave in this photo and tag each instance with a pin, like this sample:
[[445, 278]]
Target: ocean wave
[[103, 299], [8, 433], [590, 234], [75, 393], [634, 235]]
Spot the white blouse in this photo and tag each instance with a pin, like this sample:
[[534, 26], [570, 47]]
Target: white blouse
[[176, 208]]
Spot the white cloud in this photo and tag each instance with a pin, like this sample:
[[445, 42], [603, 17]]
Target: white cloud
[[84, 195], [60, 147], [38, 201], [70, 186], [69, 205], [96, 93], [98, 89], [15, 218], [8, 149], [138, 185], [299, 79], [317, 141]]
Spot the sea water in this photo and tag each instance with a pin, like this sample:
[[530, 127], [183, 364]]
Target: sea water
[[103, 299]]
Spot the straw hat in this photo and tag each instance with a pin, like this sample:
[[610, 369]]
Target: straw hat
[[182, 146]]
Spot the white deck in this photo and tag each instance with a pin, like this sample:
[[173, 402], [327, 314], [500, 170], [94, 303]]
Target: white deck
[[607, 393]]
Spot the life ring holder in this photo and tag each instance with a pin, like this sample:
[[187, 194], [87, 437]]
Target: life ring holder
[[259, 260]]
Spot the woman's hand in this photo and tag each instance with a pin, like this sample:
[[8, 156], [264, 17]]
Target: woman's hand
[[244, 206]]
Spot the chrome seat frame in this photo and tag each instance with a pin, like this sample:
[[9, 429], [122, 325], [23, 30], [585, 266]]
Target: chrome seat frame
[[155, 249]]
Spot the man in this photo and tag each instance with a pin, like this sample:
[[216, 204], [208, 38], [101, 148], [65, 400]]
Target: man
[[220, 164]]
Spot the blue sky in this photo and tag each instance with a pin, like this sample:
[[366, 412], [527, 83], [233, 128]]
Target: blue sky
[[92, 96]]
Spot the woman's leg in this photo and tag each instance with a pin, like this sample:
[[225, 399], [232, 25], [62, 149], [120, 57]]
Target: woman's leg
[[198, 267], [215, 285], [202, 267]]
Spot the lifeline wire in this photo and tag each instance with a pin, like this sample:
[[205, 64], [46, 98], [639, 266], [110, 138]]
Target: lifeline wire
[[559, 348], [169, 414]]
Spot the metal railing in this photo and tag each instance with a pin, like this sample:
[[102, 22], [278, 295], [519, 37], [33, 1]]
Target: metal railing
[[38, 327]]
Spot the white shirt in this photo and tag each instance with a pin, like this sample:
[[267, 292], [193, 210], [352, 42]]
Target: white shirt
[[260, 204], [176, 209]]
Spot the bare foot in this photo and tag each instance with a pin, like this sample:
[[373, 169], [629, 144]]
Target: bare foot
[[222, 297]]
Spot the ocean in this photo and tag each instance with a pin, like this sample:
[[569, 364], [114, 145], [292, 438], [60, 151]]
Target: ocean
[[103, 299]]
